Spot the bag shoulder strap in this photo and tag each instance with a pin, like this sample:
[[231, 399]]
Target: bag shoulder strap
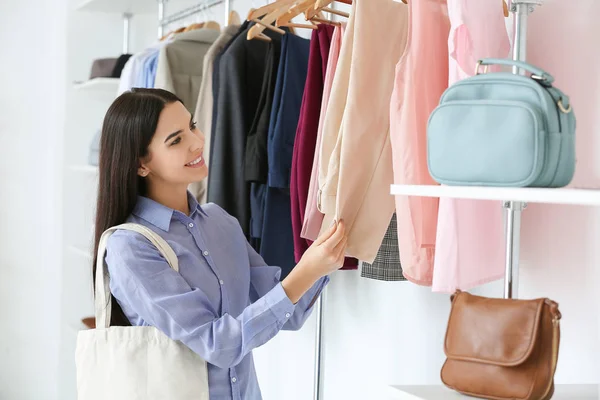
[[103, 298]]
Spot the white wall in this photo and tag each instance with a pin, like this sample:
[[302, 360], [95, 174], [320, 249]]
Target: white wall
[[31, 118]]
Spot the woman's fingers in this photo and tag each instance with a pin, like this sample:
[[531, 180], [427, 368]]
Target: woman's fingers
[[337, 236], [340, 249], [326, 235]]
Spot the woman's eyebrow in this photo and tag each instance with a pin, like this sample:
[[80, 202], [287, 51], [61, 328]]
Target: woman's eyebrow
[[172, 135]]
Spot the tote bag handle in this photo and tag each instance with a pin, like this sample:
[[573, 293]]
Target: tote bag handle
[[103, 298]]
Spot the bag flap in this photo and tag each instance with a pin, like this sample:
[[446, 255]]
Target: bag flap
[[492, 331]]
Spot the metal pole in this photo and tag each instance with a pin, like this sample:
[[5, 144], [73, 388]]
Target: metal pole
[[126, 31], [513, 239], [318, 377], [520, 45], [521, 10], [227, 9], [161, 17]]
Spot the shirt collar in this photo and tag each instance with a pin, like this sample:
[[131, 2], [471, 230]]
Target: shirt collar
[[160, 215]]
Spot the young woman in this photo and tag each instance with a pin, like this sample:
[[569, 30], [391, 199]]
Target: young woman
[[225, 301]]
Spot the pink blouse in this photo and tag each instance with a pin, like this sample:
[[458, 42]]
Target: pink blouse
[[470, 242], [421, 78]]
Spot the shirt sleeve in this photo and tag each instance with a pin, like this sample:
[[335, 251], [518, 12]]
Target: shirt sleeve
[[263, 278], [143, 283]]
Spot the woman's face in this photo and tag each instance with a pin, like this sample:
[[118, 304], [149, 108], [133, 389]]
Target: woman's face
[[175, 152]]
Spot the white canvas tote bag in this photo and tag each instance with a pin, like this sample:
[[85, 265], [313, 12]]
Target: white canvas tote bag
[[134, 363]]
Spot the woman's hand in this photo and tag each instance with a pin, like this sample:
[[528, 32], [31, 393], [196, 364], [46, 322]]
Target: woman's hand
[[327, 253], [322, 258]]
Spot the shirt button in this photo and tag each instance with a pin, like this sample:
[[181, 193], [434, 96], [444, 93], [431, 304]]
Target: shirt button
[[234, 379], [205, 252], [221, 282], [191, 225], [287, 315]]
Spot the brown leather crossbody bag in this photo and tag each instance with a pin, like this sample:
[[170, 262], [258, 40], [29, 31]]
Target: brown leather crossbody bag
[[502, 349]]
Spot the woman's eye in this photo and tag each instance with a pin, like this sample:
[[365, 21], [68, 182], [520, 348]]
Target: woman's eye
[[193, 126], [176, 141]]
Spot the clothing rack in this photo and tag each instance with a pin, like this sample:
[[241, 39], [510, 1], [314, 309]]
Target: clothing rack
[[521, 10], [186, 12]]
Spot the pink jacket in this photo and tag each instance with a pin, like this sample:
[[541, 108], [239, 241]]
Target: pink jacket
[[470, 241], [421, 78], [356, 157]]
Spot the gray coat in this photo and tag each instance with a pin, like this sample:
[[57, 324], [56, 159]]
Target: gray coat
[[180, 64]]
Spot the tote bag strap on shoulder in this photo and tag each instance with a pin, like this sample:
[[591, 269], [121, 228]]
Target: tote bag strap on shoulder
[[103, 299]]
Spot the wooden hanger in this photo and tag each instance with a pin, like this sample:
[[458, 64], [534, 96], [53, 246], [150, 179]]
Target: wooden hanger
[[505, 8], [295, 11], [234, 18], [194, 26], [325, 3], [264, 10], [213, 25], [263, 37], [336, 12], [269, 26], [326, 21], [283, 6]]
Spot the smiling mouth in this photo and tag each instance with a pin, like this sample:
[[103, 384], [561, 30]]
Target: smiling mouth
[[198, 162]]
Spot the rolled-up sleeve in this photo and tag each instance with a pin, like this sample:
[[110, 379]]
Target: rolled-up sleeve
[[143, 284], [265, 278]]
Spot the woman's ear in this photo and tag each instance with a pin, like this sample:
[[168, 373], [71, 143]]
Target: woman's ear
[[143, 171]]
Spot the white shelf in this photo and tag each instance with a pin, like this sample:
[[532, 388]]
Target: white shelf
[[439, 392], [585, 197], [83, 252], [99, 85], [89, 169]]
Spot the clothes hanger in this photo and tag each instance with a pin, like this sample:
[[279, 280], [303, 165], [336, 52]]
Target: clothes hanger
[[269, 26], [336, 12], [294, 11], [196, 25], [322, 5], [234, 18], [325, 3], [283, 6], [326, 21], [264, 10], [263, 37], [208, 22]]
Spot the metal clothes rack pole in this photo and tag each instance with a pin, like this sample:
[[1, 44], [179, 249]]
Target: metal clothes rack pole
[[227, 10], [161, 16], [318, 370], [126, 31], [186, 12], [514, 209]]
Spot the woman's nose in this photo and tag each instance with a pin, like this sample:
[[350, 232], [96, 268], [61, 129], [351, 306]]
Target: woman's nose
[[198, 141]]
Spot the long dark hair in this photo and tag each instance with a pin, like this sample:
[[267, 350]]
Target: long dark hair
[[127, 130]]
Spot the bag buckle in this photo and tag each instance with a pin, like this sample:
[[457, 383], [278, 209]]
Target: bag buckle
[[478, 65], [562, 108]]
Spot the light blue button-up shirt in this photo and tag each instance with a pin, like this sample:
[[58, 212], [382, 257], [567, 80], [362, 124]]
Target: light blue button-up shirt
[[224, 302]]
